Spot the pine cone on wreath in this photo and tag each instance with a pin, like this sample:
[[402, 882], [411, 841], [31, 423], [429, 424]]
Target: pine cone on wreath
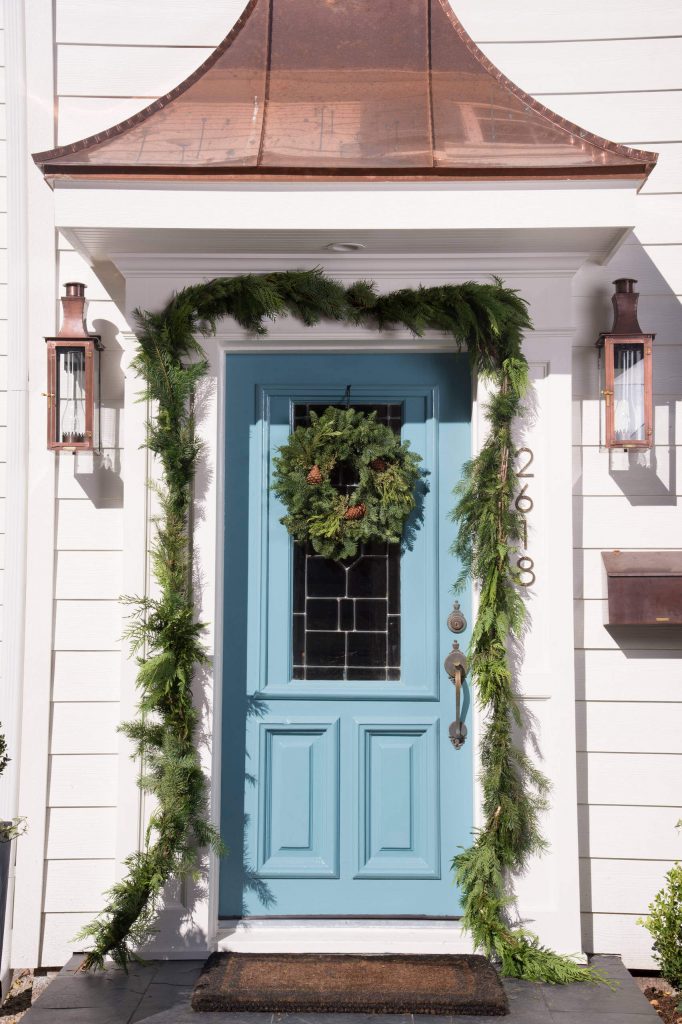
[[379, 465], [355, 511], [315, 475]]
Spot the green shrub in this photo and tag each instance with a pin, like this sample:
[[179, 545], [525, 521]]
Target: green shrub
[[4, 756], [665, 925]]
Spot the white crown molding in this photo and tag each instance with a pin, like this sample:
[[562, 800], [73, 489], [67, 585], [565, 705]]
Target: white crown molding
[[231, 337], [428, 267]]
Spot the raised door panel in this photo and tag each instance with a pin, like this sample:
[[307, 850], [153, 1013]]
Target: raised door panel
[[298, 807], [398, 799]]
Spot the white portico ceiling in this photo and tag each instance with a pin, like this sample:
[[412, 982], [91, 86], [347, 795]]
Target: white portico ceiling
[[102, 222], [101, 244]]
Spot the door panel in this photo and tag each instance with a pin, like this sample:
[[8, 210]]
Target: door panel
[[341, 794], [397, 793], [298, 816]]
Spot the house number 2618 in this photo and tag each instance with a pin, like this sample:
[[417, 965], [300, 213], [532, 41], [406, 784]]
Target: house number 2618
[[524, 505]]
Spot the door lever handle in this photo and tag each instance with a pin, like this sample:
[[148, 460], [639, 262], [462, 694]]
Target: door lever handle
[[456, 668]]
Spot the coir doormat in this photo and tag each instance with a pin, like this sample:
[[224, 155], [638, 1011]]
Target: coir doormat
[[340, 983]]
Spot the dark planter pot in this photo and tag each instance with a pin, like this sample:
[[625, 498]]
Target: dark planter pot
[[5, 852]]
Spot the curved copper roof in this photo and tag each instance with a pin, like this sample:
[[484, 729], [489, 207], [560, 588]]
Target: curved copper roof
[[343, 89]]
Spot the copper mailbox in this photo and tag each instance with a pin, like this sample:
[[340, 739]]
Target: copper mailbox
[[644, 588]]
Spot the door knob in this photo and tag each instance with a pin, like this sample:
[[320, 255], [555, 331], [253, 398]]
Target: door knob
[[456, 668]]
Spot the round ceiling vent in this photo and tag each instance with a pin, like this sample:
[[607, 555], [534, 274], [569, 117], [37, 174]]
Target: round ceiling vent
[[345, 246]]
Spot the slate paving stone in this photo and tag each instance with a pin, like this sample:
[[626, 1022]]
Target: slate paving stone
[[160, 997], [537, 1015], [525, 995], [587, 1017], [178, 972], [138, 976], [73, 963], [76, 1015], [159, 993], [612, 964], [347, 1018], [595, 999], [87, 991], [185, 1015]]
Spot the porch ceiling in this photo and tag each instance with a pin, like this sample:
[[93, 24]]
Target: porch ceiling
[[103, 222], [101, 244]]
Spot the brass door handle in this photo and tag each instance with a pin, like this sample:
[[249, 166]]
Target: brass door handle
[[456, 668]]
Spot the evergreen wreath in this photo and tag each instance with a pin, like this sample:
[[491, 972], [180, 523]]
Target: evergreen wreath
[[489, 320], [382, 474]]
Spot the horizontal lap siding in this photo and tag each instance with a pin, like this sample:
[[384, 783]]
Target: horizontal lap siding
[[629, 689], [598, 65], [3, 321], [88, 625]]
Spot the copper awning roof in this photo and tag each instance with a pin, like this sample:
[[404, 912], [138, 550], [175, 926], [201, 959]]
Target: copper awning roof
[[346, 89]]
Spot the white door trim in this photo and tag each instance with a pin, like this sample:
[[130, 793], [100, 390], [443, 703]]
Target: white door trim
[[549, 898]]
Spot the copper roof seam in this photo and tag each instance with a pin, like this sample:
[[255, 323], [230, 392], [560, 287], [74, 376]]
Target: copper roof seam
[[561, 122], [266, 89], [429, 64]]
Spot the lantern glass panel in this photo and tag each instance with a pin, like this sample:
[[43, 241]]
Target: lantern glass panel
[[70, 407], [97, 411], [629, 409]]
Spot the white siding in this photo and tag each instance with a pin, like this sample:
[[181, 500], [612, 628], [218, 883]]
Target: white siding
[[88, 626], [628, 684], [3, 320], [599, 65], [593, 63]]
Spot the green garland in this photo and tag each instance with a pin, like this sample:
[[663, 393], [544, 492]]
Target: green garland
[[490, 320], [385, 469]]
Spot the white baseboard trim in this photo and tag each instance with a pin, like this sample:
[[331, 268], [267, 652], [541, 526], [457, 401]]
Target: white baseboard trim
[[342, 936]]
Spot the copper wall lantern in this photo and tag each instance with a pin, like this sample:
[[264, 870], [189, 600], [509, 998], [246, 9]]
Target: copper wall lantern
[[73, 379], [625, 374]]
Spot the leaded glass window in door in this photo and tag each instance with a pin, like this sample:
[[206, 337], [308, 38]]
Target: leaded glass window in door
[[346, 614]]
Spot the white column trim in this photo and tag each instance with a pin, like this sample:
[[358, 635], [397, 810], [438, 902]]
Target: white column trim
[[11, 679], [136, 471], [41, 317]]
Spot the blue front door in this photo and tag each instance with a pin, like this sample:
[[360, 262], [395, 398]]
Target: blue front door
[[341, 792]]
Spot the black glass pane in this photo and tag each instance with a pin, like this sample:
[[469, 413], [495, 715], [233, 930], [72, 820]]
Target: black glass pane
[[346, 622], [322, 613]]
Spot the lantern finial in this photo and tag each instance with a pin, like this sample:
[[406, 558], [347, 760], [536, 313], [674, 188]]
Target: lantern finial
[[625, 300], [73, 311]]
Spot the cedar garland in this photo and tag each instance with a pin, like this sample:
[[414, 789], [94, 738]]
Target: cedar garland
[[489, 320]]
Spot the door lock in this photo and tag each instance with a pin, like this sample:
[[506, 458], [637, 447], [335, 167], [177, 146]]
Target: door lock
[[456, 621], [456, 668]]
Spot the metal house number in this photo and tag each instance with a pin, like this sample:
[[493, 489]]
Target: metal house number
[[524, 504]]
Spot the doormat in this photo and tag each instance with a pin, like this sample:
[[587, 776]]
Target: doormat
[[340, 983]]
